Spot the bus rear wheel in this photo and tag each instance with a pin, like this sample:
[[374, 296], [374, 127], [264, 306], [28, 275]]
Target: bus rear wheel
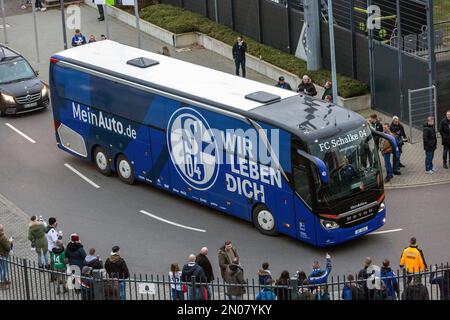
[[101, 161], [125, 169], [264, 220]]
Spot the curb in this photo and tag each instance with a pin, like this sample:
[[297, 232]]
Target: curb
[[416, 185]]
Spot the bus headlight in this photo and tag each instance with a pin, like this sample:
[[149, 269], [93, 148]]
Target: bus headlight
[[329, 225], [8, 98], [382, 206]]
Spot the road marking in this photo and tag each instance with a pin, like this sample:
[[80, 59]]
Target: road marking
[[20, 132], [170, 222], [82, 176], [386, 231]]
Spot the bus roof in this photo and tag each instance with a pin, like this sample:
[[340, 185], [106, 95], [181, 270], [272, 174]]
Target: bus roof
[[177, 75]]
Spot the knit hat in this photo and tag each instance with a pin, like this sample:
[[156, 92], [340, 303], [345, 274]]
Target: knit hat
[[74, 237], [115, 249]]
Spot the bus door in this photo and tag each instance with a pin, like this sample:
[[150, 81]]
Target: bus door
[[303, 199], [142, 156], [159, 174], [286, 217]]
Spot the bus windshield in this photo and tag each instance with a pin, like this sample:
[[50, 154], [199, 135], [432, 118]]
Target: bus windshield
[[352, 162]]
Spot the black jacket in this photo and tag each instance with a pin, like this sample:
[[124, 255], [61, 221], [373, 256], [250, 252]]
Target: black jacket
[[398, 130], [307, 89], [193, 270], [75, 254], [444, 130], [239, 51], [429, 138], [116, 267], [416, 292], [203, 262], [284, 85]]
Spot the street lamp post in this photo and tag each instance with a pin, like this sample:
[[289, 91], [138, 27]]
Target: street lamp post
[[63, 18], [35, 31], [332, 51], [138, 28], [4, 21]]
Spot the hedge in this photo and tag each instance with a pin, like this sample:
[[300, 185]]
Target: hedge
[[178, 20]]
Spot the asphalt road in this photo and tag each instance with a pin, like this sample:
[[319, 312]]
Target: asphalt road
[[34, 176]]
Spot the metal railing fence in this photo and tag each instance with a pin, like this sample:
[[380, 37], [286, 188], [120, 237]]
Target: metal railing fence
[[29, 282]]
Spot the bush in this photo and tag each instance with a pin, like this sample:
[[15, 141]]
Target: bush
[[178, 20]]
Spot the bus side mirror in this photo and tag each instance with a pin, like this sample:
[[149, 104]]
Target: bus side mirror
[[319, 164], [391, 139]]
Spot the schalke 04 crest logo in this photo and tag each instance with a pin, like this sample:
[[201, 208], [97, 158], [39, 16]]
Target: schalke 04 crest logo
[[193, 148]]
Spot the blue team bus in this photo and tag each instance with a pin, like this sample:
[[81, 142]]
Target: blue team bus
[[286, 162]]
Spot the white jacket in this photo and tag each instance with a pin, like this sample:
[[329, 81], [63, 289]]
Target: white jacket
[[52, 237]]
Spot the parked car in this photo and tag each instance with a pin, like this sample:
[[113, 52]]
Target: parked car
[[20, 88]]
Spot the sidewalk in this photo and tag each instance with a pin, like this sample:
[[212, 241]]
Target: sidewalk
[[413, 157], [15, 222], [21, 38]]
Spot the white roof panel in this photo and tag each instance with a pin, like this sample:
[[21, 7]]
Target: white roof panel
[[176, 74]]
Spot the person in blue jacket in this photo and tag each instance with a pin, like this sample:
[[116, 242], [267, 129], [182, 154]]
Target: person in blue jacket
[[389, 278], [267, 293], [319, 276], [78, 39]]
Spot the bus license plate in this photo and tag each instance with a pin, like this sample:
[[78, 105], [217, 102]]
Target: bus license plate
[[30, 105], [362, 230]]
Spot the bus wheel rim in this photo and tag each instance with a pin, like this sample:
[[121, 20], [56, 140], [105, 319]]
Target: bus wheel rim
[[125, 169], [102, 163], [266, 220]]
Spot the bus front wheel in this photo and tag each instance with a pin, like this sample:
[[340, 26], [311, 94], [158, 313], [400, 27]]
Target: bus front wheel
[[264, 220], [101, 161], [125, 169]]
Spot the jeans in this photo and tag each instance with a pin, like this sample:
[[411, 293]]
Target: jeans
[[38, 4], [122, 290], [240, 63], [198, 293], [387, 163], [177, 294], [445, 153], [42, 257], [86, 293], [3, 268], [429, 155]]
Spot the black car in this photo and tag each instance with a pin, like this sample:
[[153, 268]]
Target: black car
[[20, 88]]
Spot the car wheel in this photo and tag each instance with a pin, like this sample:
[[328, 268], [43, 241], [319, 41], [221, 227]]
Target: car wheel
[[264, 220], [125, 169], [100, 159]]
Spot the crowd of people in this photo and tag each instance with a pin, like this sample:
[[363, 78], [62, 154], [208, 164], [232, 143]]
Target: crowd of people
[[72, 260], [198, 276], [195, 279]]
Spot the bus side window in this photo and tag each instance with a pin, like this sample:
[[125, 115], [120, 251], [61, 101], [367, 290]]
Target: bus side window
[[302, 184]]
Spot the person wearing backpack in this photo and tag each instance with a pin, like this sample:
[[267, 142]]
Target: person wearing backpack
[[267, 293], [390, 280]]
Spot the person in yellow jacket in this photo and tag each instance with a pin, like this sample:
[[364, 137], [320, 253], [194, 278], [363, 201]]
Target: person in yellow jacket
[[412, 258]]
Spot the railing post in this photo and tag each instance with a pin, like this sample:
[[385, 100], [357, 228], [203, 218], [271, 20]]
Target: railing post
[[25, 277], [97, 285], [193, 289]]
